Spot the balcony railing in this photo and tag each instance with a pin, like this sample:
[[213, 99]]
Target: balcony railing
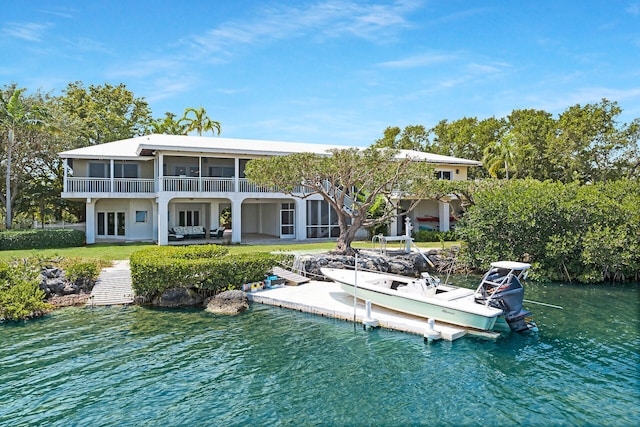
[[166, 183], [106, 185]]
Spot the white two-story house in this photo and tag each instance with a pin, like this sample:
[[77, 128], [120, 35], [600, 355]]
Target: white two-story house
[[139, 189]]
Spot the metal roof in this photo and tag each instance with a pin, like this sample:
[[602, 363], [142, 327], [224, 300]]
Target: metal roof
[[139, 148]]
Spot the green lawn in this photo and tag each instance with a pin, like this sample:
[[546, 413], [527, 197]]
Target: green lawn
[[110, 252]]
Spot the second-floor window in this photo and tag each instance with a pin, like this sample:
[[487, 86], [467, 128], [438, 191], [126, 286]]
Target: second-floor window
[[98, 170], [125, 170], [444, 175], [120, 170], [221, 171]]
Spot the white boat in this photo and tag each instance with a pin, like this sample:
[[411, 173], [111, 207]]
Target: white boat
[[499, 296]]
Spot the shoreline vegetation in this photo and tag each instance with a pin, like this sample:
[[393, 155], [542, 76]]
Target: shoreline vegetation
[[81, 266]]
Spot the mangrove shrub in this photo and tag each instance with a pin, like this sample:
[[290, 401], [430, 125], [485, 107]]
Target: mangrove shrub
[[588, 233], [20, 293]]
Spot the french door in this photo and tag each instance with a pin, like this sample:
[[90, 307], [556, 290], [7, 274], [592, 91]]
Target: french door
[[111, 224], [287, 221]]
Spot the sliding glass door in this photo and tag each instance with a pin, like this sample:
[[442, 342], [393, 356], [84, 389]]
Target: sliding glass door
[[111, 224]]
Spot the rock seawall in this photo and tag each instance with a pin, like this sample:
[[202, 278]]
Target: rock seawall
[[397, 262]]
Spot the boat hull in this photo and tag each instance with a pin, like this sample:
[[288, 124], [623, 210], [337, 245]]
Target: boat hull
[[422, 308]]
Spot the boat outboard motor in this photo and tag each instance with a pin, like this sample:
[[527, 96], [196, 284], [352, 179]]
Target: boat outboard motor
[[509, 299]]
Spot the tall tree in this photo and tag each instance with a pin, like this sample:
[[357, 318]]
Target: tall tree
[[500, 154], [530, 131], [349, 180], [168, 125], [200, 121], [107, 113], [16, 116], [587, 143], [467, 138], [412, 137]]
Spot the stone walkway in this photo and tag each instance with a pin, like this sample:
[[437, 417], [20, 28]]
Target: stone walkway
[[113, 286]]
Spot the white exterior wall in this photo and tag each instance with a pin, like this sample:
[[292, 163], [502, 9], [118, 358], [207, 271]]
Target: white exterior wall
[[252, 212]]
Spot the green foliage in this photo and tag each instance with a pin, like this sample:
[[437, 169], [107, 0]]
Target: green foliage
[[586, 143], [410, 138], [588, 233], [105, 112], [435, 236], [376, 211], [81, 269], [41, 239], [167, 125], [20, 294], [225, 218], [350, 180], [200, 122], [202, 267]]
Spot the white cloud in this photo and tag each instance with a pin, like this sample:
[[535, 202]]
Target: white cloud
[[329, 19], [634, 9], [146, 68], [422, 60], [30, 31]]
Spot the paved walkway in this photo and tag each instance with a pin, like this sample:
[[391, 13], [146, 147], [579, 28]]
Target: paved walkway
[[113, 286]]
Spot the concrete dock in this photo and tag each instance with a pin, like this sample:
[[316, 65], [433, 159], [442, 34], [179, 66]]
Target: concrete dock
[[328, 299]]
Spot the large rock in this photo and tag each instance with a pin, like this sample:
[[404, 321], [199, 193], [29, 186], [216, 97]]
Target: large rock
[[228, 302], [178, 297]]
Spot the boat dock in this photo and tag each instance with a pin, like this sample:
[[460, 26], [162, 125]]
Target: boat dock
[[113, 286], [328, 299]]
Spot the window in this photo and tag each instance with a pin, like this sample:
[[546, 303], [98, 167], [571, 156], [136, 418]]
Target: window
[[188, 218], [141, 216], [221, 171], [322, 220], [111, 224], [97, 170], [125, 170], [444, 175]]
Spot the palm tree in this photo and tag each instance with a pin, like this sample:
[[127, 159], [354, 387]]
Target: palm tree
[[168, 125], [15, 115], [500, 153], [200, 122]]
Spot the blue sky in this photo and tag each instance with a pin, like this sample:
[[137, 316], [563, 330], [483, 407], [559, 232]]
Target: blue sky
[[331, 71]]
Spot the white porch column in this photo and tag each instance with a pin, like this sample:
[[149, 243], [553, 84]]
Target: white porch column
[[64, 182], [236, 166], [160, 174], [393, 226], [90, 228], [236, 220], [111, 175], [444, 212], [163, 220], [214, 220], [154, 221], [301, 219]]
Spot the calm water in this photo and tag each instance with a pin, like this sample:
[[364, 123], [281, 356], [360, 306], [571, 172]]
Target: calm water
[[270, 366]]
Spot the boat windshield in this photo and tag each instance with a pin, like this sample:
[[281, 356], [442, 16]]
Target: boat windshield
[[503, 275]]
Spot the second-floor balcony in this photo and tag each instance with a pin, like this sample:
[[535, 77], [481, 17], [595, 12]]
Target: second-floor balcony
[[164, 184]]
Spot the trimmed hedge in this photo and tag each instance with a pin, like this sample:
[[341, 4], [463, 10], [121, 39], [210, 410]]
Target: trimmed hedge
[[435, 236], [210, 267], [41, 239]]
